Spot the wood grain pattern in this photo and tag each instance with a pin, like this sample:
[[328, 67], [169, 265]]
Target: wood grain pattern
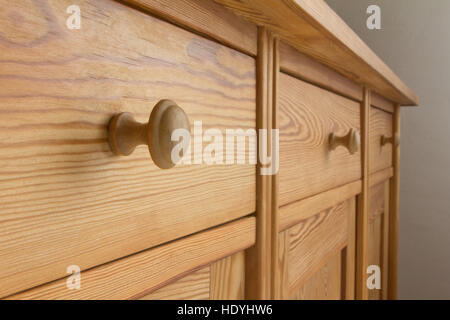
[[297, 64], [194, 286], [145, 272], [222, 280], [275, 190], [380, 176], [65, 198], [385, 244], [258, 280], [228, 278], [325, 284], [362, 218], [316, 257], [349, 256], [394, 211], [378, 236], [316, 30], [295, 212], [282, 274], [207, 18], [314, 241], [380, 124], [376, 218], [307, 115]]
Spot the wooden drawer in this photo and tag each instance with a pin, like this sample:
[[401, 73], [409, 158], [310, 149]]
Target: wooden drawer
[[65, 198], [380, 124], [307, 115]]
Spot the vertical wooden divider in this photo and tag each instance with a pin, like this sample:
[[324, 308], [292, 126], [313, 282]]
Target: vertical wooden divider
[[274, 192], [348, 257], [258, 258], [394, 209], [362, 219], [385, 244]]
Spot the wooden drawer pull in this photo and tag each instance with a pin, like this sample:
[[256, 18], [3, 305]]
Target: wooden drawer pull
[[125, 133], [352, 141], [385, 140]]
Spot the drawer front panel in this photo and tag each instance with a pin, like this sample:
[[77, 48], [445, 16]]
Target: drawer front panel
[[380, 124], [65, 198], [307, 116]]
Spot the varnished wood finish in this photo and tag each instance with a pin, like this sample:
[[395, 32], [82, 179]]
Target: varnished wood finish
[[222, 280], [394, 140], [194, 286], [66, 199], [306, 248], [282, 280], [313, 28], [195, 231], [394, 211], [351, 141], [125, 133], [228, 278], [325, 284], [206, 18], [348, 256], [145, 272], [380, 125], [378, 235], [295, 212], [275, 217], [362, 218], [297, 64], [380, 176], [307, 115], [313, 241], [382, 103], [385, 245], [258, 272]]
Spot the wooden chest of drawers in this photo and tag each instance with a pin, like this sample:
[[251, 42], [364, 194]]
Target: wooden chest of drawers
[[199, 230]]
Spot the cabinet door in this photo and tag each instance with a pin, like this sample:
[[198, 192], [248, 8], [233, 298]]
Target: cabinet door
[[222, 280], [207, 265], [317, 256], [378, 238]]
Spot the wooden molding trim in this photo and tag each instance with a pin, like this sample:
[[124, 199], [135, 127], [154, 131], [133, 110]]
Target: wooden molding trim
[[362, 218], [295, 212], [275, 179], [258, 260], [312, 27], [149, 270]]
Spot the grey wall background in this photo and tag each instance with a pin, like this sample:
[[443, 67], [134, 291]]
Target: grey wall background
[[415, 42]]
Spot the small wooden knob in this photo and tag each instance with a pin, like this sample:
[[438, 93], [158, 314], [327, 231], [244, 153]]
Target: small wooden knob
[[395, 140], [351, 141], [125, 133]]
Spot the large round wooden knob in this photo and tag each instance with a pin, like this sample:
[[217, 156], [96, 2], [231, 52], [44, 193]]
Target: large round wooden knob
[[125, 133], [395, 140], [352, 141]]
